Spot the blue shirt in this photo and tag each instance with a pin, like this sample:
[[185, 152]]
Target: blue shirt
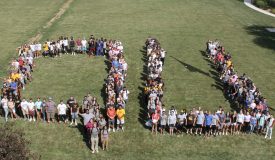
[[115, 64], [208, 119], [13, 85], [38, 104]]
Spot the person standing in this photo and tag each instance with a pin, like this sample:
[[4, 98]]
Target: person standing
[[120, 118], [172, 120], [94, 138], [240, 121], [61, 108], [155, 120], [31, 110], [269, 126], [4, 103], [43, 109], [50, 110], [208, 123], [12, 110], [38, 109], [163, 121], [199, 122], [74, 114], [111, 113], [105, 138], [24, 108], [72, 46]]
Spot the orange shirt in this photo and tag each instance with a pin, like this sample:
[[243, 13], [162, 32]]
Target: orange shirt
[[111, 112]]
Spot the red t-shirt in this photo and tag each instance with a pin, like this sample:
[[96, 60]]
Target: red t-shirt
[[111, 112]]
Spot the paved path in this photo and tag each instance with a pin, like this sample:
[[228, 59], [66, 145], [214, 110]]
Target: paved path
[[248, 4]]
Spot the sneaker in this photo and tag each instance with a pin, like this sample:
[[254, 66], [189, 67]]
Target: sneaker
[[97, 151], [114, 130], [93, 151], [34, 119], [75, 123], [109, 129], [30, 119], [71, 123]]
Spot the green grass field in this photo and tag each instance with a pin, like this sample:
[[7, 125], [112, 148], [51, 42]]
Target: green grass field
[[182, 27]]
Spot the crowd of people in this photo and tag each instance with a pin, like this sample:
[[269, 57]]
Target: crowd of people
[[115, 89], [251, 116], [94, 117], [66, 45]]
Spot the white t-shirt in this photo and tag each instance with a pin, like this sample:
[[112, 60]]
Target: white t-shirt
[[65, 42], [270, 122], [62, 108], [240, 118], [4, 103], [84, 43], [31, 106], [125, 94], [24, 105], [30, 59], [32, 46]]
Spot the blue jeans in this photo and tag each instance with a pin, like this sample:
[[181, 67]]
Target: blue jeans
[[6, 110], [74, 115], [252, 127], [44, 115]]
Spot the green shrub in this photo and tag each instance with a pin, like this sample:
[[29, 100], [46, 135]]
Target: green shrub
[[271, 3], [261, 4], [273, 10]]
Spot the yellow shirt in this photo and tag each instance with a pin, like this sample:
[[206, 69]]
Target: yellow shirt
[[120, 113], [15, 76], [45, 47], [228, 63]]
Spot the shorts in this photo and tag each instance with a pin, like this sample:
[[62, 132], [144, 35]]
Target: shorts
[[74, 115], [214, 127], [189, 126], [111, 121], [228, 124], [31, 113], [83, 48], [207, 128], [50, 115], [78, 48], [198, 125], [162, 126], [151, 111], [62, 117], [25, 111], [120, 121], [239, 123], [155, 121], [171, 125]]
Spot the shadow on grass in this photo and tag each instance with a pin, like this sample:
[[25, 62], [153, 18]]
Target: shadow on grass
[[142, 97], [191, 68], [84, 134], [263, 38], [218, 82]]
